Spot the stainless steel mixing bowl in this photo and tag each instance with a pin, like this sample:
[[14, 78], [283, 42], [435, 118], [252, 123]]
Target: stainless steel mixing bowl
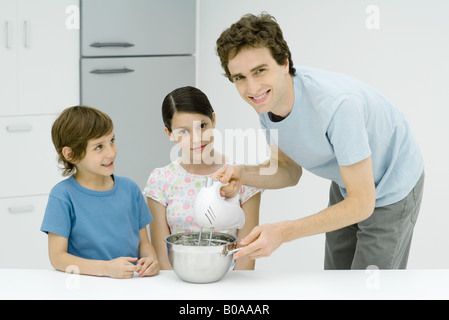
[[203, 263]]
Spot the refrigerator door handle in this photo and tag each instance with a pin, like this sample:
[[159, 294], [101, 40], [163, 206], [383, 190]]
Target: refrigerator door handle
[[111, 71], [111, 44]]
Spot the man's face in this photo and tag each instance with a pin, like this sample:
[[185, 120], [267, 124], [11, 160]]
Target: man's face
[[260, 81]]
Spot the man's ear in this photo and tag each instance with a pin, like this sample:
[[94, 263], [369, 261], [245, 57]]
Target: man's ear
[[67, 153]]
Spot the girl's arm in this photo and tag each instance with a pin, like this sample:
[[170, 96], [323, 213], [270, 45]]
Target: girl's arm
[[148, 264], [158, 231], [251, 209], [61, 260]]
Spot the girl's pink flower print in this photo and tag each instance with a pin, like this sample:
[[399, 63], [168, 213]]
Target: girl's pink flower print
[[153, 180], [186, 206], [188, 180], [191, 192], [167, 173], [189, 219]]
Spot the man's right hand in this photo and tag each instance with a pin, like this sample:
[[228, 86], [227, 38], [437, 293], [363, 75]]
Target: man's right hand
[[231, 175]]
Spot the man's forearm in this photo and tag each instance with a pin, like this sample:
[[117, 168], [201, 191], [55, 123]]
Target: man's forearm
[[279, 172]]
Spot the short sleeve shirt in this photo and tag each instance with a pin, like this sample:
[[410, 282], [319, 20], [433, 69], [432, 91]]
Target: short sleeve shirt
[[99, 225], [338, 121], [176, 189]]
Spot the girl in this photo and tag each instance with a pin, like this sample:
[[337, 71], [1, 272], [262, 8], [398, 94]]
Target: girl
[[189, 120]]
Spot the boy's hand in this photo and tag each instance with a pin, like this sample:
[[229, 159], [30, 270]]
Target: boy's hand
[[147, 267], [121, 268]]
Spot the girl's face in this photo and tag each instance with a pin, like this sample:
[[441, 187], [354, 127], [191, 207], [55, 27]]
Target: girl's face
[[194, 134]]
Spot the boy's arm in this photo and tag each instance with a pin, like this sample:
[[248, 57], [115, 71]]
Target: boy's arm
[[61, 260]]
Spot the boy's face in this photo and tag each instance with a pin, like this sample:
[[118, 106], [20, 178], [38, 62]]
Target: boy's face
[[261, 81], [99, 158]]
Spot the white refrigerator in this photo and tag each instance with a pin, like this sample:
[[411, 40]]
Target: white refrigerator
[[134, 52]]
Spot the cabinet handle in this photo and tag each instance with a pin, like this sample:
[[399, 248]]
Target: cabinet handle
[[112, 44], [21, 209], [19, 128], [8, 35], [111, 71], [26, 33]]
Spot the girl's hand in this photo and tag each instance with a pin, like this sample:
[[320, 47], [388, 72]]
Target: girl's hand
[[147, 267], [120, 268]]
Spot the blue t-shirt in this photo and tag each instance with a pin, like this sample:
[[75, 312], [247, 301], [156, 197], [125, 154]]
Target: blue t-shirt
[[99, 225], [337, 121]]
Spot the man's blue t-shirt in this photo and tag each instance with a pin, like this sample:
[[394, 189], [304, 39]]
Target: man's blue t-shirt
[[99, 225], [337, 121]]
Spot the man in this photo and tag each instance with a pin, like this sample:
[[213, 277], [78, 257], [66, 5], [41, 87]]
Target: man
[[335, 127]]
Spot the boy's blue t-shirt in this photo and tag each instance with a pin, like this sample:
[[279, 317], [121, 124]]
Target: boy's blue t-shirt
[[99, 225], [337, 121]]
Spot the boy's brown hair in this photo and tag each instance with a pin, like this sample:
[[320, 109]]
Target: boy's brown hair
[[74, 128], [253, 32]]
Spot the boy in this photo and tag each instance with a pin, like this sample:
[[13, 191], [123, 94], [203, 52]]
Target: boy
[[95, 220]]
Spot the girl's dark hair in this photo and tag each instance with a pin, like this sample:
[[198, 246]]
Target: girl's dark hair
[[185, 99], [253, 32]]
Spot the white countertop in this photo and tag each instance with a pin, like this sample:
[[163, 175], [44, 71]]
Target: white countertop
[[236, 285]]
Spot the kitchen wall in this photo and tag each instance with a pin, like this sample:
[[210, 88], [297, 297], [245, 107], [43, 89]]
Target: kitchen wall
[[399, 47]]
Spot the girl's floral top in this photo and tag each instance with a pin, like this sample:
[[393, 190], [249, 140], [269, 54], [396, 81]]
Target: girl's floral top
[[176, 189]]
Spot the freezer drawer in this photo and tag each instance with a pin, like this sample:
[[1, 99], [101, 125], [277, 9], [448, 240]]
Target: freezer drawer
[[137, 27], [131, 91]]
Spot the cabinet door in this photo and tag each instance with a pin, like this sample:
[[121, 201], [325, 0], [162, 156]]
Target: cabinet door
[[48, 56], [131, 91], [137, 27], [23, 245], [28, 162], [8, 57]]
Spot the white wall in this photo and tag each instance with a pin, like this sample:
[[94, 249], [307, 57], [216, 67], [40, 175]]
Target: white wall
[[406, 59]]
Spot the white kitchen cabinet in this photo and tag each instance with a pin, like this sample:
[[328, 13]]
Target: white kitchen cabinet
[[28, 163], [138, 27], [23, 245], [39, 77], [39, 57], [8, 58]]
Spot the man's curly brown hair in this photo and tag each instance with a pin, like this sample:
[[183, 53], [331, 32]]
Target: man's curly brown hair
[[253, 32]]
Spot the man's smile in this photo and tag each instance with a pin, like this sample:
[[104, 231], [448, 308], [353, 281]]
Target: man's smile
[[260, 98]]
